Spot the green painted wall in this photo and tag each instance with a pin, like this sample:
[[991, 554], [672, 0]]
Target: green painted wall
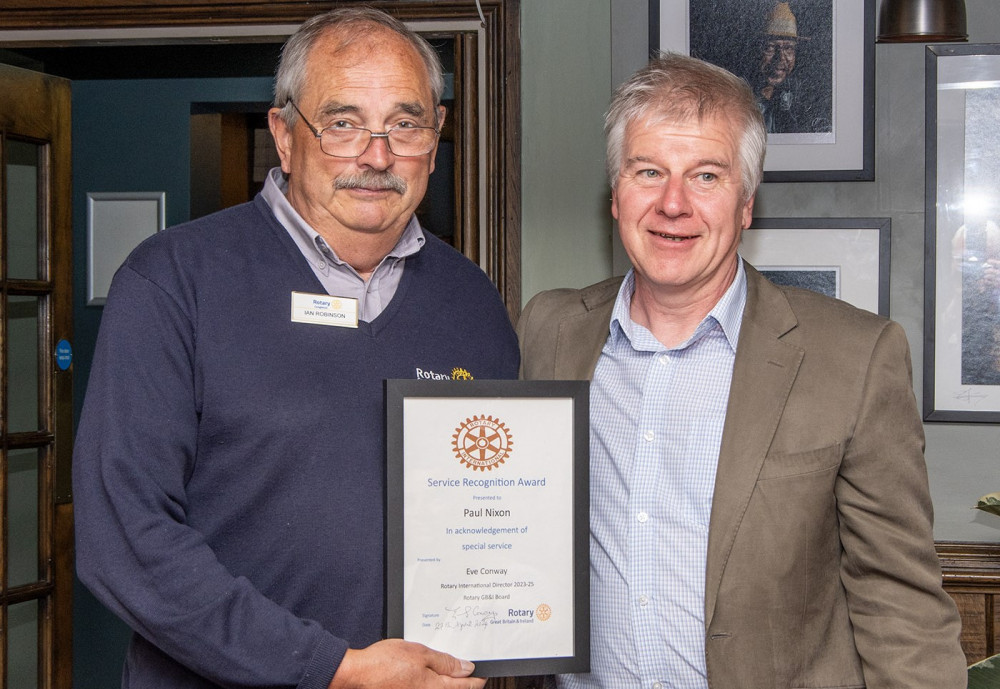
[[565, 200]]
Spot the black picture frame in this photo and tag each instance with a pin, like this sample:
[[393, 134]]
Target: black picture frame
[[835, 141], [433, 412], [849, 256], [962, 236]]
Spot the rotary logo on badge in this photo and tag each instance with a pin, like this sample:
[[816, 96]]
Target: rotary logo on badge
[[482, 442]]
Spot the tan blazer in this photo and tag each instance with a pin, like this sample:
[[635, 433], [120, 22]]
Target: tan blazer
[[821, 566]]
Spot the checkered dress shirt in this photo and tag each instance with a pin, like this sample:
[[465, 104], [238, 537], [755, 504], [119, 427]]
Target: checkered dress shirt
[[656, 427]]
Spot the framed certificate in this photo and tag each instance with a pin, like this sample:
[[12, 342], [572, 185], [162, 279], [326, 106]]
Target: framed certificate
[[487, 513]]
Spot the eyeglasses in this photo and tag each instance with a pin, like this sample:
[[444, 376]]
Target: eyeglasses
[[346, 141]]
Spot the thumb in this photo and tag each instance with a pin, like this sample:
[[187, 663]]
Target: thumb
[[448, 665]]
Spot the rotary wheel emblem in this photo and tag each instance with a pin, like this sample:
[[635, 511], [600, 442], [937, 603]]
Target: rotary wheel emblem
[[460, 374], [482, 442]]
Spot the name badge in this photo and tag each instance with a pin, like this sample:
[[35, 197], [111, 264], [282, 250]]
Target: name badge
[[323, 309]]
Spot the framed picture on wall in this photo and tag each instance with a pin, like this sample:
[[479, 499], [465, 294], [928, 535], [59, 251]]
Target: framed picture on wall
[[962, 234], [845, 258], [118, 222], [811, 64]]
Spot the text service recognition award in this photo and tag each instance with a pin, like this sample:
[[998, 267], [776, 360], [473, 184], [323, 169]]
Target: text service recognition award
[[487, 522]]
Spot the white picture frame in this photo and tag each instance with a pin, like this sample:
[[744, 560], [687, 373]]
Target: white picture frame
[[962, 234], [853, 252], [117, 222]]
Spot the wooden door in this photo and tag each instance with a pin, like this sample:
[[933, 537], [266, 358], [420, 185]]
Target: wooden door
[[36, 411]]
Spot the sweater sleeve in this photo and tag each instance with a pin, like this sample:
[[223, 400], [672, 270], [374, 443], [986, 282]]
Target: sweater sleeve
[[136, 550]]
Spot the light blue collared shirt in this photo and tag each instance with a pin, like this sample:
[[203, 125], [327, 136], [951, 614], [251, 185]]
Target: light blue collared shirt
[[656, 417], [337, 277]]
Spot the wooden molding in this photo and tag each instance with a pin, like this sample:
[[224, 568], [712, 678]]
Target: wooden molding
[[77, 14], [965, 564], [971, 575]]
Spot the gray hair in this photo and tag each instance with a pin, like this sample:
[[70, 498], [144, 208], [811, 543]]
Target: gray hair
[[681, 88], [350, 23]]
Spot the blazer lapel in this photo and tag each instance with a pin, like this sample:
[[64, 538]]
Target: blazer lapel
[[763, 372]]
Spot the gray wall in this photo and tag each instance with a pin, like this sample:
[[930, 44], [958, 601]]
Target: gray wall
[[573, 55]]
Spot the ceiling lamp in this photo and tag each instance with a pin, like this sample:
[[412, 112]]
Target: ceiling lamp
[[922, 21]]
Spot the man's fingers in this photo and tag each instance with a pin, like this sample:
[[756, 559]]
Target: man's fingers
[[394, 662], [448, 665], [456, 669], [464, 683]]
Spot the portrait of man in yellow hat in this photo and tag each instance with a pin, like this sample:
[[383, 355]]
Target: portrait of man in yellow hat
[[784, 49]]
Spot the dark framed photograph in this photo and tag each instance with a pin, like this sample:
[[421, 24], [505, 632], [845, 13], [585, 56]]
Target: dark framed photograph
[[962, 234], [487, 522], [811, 64], [845, 258]]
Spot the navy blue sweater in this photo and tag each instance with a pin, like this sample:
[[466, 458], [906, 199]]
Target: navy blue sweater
[[228, 471]]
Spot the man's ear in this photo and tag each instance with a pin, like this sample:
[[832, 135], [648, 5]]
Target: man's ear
[[282, 135], [441, 113], [748, 212]]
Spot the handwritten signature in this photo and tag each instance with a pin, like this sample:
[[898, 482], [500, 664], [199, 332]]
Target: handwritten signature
[[970, 395], [466, 617]]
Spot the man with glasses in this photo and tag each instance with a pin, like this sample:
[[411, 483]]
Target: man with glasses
[[229, 464]]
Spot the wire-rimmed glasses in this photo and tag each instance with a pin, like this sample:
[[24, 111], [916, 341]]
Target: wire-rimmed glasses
[[350, 142]]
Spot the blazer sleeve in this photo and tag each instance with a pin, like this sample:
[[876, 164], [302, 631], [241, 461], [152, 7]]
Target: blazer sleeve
[[537, 333], [890, 570], [562, 331], [522, 329]]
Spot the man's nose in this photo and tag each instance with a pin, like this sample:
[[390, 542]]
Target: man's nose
[[377, 155], [674, 201]]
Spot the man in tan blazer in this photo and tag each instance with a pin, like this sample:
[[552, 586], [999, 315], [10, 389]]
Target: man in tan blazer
[[760, 515]]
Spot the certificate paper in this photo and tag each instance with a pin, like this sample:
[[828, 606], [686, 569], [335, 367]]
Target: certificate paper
[[487, 522]]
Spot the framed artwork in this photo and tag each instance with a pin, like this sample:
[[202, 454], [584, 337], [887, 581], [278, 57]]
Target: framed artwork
[[845, 258], [962, 234], [116, 224], [811, 64]]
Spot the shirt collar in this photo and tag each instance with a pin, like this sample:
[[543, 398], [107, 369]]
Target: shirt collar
[[311, 243], [727, 312]]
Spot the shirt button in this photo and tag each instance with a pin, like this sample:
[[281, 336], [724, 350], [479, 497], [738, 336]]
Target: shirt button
[[322, 264], [643, 600], [648, 436], [664, 359], [642, 517], [657, 685]]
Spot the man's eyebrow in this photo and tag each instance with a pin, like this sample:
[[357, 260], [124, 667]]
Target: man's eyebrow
[[637, 159], [414, 108], [712, 162], [334, 108], [704, 162]]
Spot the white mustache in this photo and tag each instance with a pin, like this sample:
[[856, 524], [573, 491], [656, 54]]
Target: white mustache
[[372, 179]]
